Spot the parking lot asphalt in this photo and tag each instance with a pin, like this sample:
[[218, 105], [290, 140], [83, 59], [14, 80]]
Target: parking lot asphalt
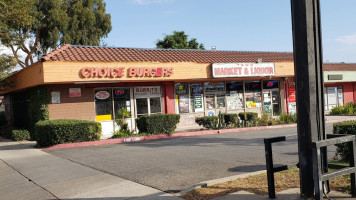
[[175, 164]]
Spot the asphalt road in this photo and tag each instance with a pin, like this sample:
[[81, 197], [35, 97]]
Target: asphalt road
[[175, 164]]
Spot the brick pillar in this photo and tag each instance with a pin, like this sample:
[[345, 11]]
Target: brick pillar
[[169, 97]]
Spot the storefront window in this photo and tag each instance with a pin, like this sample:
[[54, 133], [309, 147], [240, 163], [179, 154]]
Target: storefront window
[[142, 107], [103, 105], [210, 101], [270, 84], [148, 100], [220, 100], [196, 97], [253, 94], [234, 95], [121, 99], [214, 86], [155, 105], [183, 97], [333, 97]]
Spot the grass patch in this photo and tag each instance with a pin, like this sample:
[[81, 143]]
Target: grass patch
[[257, 184]]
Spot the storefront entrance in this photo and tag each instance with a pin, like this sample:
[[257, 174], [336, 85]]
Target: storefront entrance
[[138, 101], [271, 98], [214, 98]]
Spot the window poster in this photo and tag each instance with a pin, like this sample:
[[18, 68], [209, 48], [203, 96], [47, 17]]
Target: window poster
[[183, 104], [56, 97], [234, 100], [198, 102], [75, 92]]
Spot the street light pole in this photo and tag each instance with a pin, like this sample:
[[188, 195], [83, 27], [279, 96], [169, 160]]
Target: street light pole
[[309, 86]]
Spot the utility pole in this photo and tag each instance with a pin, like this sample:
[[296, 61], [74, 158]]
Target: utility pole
[[308, 62]]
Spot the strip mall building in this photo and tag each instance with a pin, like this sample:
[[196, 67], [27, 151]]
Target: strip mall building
[[93, 83]]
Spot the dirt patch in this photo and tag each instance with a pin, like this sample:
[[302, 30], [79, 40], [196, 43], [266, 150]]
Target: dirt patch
[[257, 184]]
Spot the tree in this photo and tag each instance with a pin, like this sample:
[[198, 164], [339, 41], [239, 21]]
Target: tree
[[36, 26], [7, 63], [179, 40]]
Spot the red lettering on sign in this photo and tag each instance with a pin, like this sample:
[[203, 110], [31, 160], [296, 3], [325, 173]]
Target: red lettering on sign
[[85, 72], [159, 72]]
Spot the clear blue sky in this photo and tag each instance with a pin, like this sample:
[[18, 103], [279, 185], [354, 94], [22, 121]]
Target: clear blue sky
[[241, 25]]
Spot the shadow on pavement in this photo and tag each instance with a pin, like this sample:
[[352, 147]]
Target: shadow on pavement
[[247, 168]]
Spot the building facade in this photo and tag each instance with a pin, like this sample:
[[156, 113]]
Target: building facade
[[93, 83]]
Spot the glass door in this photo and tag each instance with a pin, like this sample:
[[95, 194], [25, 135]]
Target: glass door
[[103, 104], [267, 103], [214, 98], [271, 102], [275, 102], [142, 107]]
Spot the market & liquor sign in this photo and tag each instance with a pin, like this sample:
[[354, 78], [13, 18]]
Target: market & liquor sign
[[118, 72], [223, 70]]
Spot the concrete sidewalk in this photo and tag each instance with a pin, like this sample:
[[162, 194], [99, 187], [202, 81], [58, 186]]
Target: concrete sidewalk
[[29, 173]]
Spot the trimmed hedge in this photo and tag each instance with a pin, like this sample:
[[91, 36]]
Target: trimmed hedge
[[288, 119], [209, 122], [158, 123], [230, 118], [60, 131], [19, 135], [250, 116], [348, 128]]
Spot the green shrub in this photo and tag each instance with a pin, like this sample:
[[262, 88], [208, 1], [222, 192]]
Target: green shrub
[[209, 122], [52, 132], [347, 128], [158, 123], [3, 120], [121, 115], [19, 135], [122, 133], [348, 109], [267, 121], [250, 116], [37, 107], [288, 119], [230, 118]]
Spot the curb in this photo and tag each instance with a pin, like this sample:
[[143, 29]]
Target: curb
[[216, 181], [175, 135], [165, 136]]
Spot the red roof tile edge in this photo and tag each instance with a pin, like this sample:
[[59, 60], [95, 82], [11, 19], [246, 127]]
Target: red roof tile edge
[[122, 54]]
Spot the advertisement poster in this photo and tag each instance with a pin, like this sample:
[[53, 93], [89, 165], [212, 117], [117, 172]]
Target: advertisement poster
[[291, 93], [56, 97], [75, 92], [183, 104]]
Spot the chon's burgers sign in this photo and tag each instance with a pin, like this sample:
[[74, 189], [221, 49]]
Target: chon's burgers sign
[[118, 72]]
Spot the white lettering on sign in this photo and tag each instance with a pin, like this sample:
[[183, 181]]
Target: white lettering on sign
[[221, 70], [102, 95], [134, 139]]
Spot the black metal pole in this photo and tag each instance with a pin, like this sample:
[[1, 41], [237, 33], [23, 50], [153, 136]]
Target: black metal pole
[[270, 170], [309, 86]]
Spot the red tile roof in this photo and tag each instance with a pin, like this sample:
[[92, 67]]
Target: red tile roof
[[110, 54], [339, 67]]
